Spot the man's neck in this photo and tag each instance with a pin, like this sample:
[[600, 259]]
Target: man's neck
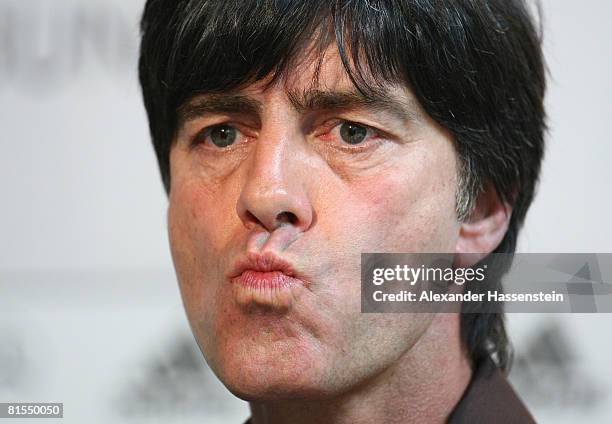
[[424, 385]]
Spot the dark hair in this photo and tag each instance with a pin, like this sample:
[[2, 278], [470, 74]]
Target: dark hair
[[475, 66]]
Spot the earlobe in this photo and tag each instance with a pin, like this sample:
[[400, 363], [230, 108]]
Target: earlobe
[[485, 227]]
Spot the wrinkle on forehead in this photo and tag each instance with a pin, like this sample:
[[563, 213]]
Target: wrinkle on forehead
[[314, 79], [319, 80]]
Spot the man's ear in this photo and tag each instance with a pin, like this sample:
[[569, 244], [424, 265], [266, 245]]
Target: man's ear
[[484, 229]]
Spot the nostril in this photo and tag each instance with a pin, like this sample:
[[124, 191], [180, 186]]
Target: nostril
[[286, 218], [250, 217]]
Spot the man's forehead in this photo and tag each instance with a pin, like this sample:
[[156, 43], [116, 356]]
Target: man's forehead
[[315, 73], [311, 82], [315, 69], [254, 102]]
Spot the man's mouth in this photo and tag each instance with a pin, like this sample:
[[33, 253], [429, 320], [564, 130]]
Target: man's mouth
[[265, 282], [261, 262]]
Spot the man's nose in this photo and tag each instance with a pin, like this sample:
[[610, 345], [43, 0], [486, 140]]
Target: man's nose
[[274, 193]]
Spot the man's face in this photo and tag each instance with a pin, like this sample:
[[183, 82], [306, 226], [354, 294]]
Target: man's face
[[275, 192]]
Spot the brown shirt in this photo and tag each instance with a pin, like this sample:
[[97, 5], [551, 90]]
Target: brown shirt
[[489, 398]]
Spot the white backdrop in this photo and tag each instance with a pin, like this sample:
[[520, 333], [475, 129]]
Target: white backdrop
[[89, 310]]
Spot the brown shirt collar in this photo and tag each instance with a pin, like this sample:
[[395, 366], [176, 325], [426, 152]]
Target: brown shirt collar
[[489, 398]]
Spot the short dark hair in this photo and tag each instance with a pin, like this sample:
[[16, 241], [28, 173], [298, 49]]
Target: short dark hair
[[476, 67]]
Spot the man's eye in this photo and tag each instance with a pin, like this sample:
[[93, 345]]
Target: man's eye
[[352, 133], [223, 135]]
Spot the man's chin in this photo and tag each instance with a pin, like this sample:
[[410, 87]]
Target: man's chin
[[259, 382], [276, 391]]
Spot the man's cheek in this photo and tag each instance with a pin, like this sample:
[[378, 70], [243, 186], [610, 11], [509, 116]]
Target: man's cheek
[[196, 220], [188, 256], [416, 205], [188, 247], [386, 208]]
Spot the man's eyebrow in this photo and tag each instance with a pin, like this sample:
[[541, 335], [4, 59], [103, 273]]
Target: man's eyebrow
[[317, 100], [218, 104]]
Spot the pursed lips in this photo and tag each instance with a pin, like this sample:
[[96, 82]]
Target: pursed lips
[[264, 282]]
